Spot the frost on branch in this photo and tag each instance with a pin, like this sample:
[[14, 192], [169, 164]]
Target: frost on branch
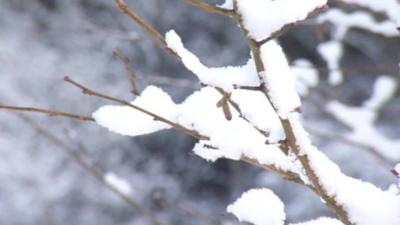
[[259, 207], [262, 18]]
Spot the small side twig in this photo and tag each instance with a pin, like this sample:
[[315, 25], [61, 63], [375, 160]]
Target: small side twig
[[48, 112], [156, 117], [117, 53]]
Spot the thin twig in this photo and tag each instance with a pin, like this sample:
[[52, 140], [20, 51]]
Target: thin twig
[[156, 117], [210, 8], [140, 21], [98, 173], [48, 112], [143, 24], [117, 53]]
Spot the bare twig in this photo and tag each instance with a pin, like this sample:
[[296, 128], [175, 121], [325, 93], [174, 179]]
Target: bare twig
[[156, 117], [132, 76], [210, 8], [98, 173], [48, 112], [140, 21]]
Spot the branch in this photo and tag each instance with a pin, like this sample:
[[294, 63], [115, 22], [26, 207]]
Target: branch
[[210, 8], [140, 21], [48, 112], [156, 117], [92, 169], [117, 53], [289, 132]]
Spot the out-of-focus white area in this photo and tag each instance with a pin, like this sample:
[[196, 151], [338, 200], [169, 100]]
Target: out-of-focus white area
[[42, 40]]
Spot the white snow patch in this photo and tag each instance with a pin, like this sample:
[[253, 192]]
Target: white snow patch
[[259, 207], [118, 183], [306, 76], [262, 18], [126, 120], [226, 78], [321, 221], [279, 79], [332, 52], [344, 21]]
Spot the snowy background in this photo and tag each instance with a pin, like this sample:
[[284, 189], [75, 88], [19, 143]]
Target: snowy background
[[41, 41]]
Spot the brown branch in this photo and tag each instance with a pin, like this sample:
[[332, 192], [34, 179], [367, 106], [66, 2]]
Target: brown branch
[[156, 117], [289, 132], [140, 21], [144, 25], [210, 8], [95, 171], [117, 53], [48, 112], [288, 175]]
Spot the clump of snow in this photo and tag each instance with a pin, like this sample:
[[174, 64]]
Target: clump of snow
[[126, 120], [259, 207], [226, 78], [332, 52], [306, 76], [262, 18], [321, 221], [279, 79], [118, 183]]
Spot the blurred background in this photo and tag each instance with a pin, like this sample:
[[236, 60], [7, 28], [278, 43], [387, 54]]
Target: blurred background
[[41, 41]]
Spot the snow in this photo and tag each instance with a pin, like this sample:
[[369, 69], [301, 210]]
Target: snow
[[259, 207], [126, 120], [279, 79], [383, 90], [361, 119], [390, 7], [228, 4], [258, 110], [332, 51], [354, 195], [306, 76], [262, 18], [344, 21], [321, 221], [118, 183], [226, 78]]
